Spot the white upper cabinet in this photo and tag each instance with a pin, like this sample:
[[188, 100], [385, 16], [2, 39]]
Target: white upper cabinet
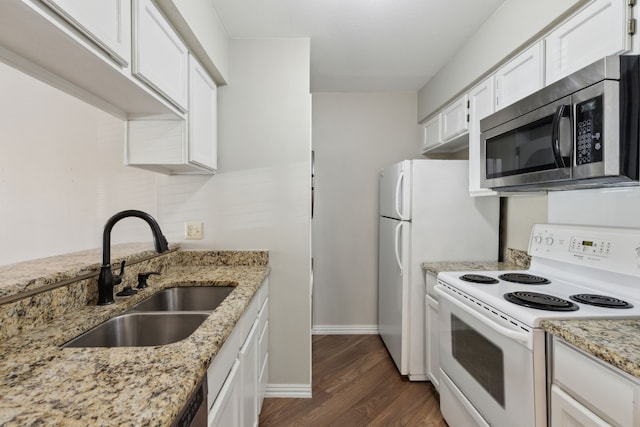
[[432, 136], [174, 146], [520, 77], [160, 58], [202, 117], [598, 30], [106, 23], [454, 119], [480, 106], [446, 132]]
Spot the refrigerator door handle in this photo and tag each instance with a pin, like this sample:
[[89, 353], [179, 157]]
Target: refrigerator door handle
[[398, 195], [397, 244]]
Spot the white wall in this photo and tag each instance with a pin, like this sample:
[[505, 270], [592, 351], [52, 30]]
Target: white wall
[[260, 197], [521, 213], [354, 136], [613, 207], [513, 24], [61, 173]]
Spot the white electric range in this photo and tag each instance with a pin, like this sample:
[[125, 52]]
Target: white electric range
[[492, 349]]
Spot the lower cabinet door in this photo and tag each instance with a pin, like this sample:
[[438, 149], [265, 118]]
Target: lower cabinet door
[[433, 342], [567, 412], [225, 411], [249, 367]]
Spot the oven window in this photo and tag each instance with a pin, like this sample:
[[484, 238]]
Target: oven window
[[482, 359], [522, 150]]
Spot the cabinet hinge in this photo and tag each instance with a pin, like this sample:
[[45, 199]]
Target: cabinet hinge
[[631, 3], [631, 26], [468, 103], [467, 118]]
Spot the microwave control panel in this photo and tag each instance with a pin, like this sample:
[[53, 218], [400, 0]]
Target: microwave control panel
[[589, 137]]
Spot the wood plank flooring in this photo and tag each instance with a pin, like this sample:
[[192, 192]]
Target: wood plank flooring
[[355, 383]]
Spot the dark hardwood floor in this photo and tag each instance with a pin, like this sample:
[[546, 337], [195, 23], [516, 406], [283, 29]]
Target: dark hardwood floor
[[355, 383]]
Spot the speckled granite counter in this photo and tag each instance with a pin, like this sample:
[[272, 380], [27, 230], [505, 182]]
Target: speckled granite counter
[[613, 341], [42, 384], [516, 260]]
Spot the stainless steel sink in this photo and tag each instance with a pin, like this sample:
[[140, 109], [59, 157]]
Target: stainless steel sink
[[192, 298], [140, 329]]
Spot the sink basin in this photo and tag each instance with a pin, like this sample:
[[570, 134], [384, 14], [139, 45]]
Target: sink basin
[[193, 298], [140, 329]]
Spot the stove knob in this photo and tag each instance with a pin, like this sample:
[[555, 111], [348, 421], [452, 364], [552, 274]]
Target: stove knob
[[537, 239], [549, 240], [638, 251]]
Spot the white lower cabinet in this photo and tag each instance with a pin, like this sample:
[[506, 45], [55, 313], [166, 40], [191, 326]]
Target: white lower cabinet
[[249, 362], [588, 392], [433, 337], [432, 329], [225, 411], [567, 412], [237, 376]]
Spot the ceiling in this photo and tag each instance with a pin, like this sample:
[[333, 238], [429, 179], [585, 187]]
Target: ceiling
[[364, 45]]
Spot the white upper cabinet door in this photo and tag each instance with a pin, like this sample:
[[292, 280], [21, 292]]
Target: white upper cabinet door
[[598, 30], [480, 106], [520, 77], [106, 22], [160, 58], [432, 136], [202, 117], [454, 119]]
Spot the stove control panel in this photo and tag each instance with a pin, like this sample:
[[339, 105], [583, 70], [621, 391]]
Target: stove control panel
[[590, 246], [610, 249]]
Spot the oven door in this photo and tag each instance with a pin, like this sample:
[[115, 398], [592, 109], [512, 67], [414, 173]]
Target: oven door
[[491, 364], [531, 149]]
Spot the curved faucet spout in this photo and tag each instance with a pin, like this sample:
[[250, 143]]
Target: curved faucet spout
[[107, 280]]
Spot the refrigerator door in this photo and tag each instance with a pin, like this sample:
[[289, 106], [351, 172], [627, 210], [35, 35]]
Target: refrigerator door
[[393, 289], [395, 191]]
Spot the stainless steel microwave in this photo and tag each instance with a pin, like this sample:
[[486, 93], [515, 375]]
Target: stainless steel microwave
[[581, 131]]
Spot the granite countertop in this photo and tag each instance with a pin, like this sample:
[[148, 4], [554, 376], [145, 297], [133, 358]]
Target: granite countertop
[[43, 384], [516, 260], [612, 341]]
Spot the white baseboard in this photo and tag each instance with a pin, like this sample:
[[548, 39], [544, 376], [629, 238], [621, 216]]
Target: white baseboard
[[344, 330], [295, 391]]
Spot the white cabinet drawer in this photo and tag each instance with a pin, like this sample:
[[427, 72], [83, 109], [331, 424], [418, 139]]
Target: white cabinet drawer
[[600, 388]]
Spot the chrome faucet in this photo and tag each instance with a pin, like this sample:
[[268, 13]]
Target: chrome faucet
[[106, 280]]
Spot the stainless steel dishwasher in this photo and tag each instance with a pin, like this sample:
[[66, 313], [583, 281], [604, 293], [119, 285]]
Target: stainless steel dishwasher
[[194, 413]]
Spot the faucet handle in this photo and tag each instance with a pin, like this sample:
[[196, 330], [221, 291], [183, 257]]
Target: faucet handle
[[118, 279], [142, 278]]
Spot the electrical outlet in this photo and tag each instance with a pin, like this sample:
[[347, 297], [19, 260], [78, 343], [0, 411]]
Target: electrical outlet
[[193, 230]]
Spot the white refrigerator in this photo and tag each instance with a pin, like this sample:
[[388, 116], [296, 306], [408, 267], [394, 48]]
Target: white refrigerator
[[425, 215]]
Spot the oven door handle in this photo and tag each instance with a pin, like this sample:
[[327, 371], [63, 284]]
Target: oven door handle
[[561, 111], [521, 337]]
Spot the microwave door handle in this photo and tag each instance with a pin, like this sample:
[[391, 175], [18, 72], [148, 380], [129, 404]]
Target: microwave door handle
[[561, 111]]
